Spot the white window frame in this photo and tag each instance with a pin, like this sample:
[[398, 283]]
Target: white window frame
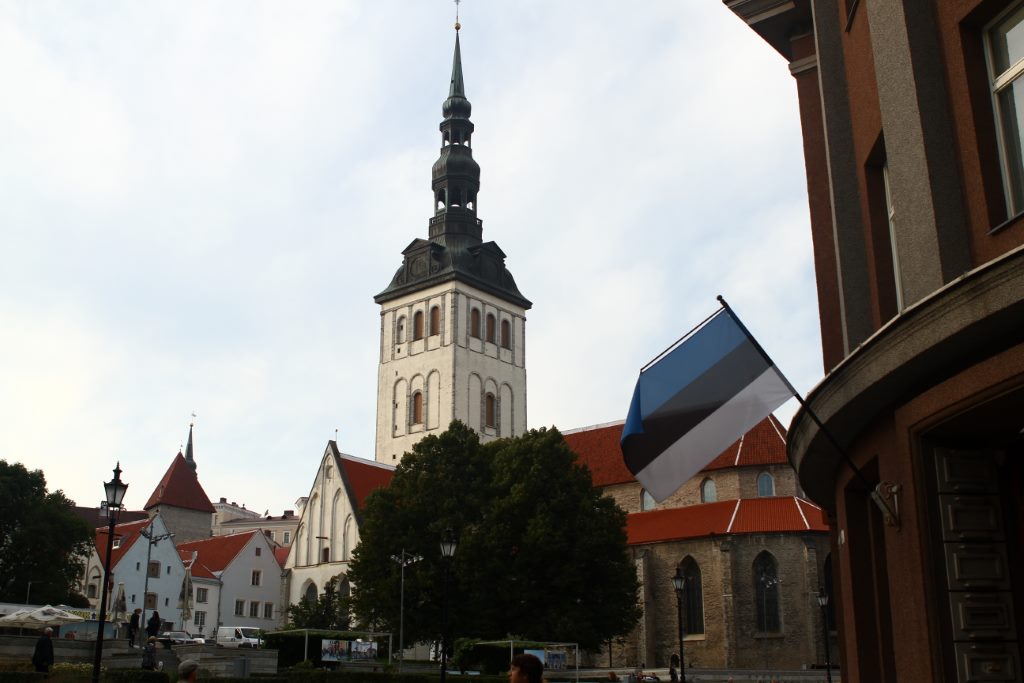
[[890, 212], [239, 608], [257, 577], [997, 84]]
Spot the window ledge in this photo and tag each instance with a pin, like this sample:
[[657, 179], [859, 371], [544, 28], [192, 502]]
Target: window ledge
[[769, 636], [1007, 223], [695, 636]]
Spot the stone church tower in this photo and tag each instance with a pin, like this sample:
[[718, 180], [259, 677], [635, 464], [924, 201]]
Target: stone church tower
[[453, 322]]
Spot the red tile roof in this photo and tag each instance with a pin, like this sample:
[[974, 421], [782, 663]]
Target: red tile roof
[[128, 533], [745, 516], [598, 448], [281, 554], [199, 570], [363, 476], [180, 488], [216, 553]]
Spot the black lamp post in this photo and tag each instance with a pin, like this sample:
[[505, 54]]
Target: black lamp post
[[679, 582], [823, 603], [448, 545], [115, 489]]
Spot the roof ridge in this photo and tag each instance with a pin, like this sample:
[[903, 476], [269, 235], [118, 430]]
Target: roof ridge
[[772, 419], [601, 425], [735, 510], [801, 511], [739, 449]]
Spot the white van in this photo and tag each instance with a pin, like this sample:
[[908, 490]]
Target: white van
[[238, 636]]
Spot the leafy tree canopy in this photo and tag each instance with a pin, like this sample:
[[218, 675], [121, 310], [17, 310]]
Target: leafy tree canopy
[[41, 539], [329, 610], [541, 553]]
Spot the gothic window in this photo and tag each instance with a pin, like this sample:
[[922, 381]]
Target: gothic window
[[489, 411], [765, 485], [766, 593], [417, 325], [311, 592], [400, 330], [506, 334], [474, 323], [417, 408], [693, 597], [646, 500], [490, 327], [435, 321], [708, 491]]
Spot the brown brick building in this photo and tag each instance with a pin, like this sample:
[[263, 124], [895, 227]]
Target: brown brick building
[[915, 174], [755, 554]]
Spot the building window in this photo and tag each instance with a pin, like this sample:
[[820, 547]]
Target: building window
[[167, 602], [646, 500], [254, 609], [311, 593], [765, 485], [239, 608], [202, 594], [91, 590], [257, 575], [693, 598], [766, 593], [150, 601], [490, 327], [489, 420], [325, 555], [417, 408], [417, 325], [708, 491], [400, 330], [168, 570], [1005, 49], [268, 610], [117, 542], [287, 537], [506, 334], [154, 570], [199, 620], [474, 323], [259, 551], [435, 321]]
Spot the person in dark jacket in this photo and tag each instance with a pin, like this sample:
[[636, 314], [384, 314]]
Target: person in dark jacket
[[149, 654], [153, 625], [42, 657], [133, 626]]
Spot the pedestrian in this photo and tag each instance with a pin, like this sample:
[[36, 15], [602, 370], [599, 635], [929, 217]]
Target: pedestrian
[[133, 627], [673, 675], [188, 671], [42, 657], [526, 668], [153, 625], [149, 654]]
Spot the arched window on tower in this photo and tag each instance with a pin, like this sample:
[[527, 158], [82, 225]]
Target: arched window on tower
[[435, 320], [417, 408], [474, 323], [765, 485], [445, 139], [490, 327], [400, 330], [708, 491], [440, 200], [471, 201], [417, 325], [766, 593], [646, 500], [506, 334], [489, 410], [693, 597]]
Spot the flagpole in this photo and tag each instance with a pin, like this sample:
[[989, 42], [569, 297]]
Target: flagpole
[[890, 514]]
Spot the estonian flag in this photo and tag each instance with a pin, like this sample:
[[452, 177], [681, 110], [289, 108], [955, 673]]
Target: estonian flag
[[696, 399]]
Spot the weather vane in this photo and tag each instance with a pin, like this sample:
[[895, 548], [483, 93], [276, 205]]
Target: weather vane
[[457, 24], [193, 422]]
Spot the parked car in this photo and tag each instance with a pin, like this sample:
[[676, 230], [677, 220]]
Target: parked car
[[238, 636], [169, 638]]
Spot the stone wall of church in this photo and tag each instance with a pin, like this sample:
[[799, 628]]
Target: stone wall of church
[[186, 525]]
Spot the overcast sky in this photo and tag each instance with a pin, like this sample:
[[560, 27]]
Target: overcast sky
[[198, 201]]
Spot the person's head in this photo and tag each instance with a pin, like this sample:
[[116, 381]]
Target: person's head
[[526, 668], [48, 631], [188, 670], [152, 639], [138, 610]]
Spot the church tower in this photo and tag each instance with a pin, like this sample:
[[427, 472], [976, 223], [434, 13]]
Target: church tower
[[453, 322]]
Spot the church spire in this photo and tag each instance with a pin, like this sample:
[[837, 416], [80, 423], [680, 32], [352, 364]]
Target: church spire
[[189, 457]]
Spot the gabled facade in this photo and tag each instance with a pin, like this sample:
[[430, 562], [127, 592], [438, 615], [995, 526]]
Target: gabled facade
[[328, 527], [249, 575], [180, 499], [453, 322], [152, 572], [755, 554]]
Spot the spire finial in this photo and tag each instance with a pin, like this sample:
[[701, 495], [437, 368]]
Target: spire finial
[[457, 24]]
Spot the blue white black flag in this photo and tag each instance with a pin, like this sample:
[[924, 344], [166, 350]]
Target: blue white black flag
[[696, 399]]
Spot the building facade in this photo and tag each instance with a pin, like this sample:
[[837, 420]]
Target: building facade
[[453, 322], [754, 552], [913, 149]]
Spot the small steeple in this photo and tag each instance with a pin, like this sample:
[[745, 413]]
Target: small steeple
[[188, 449]]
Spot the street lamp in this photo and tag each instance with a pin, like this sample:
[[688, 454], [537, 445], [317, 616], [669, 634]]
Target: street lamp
[[448, 544], [115, 489], [823, 604], [679, 583], [404, 559], [147, 534]]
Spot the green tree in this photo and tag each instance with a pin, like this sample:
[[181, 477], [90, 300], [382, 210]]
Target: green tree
[[330, 610], [41, 539], [541, 553]]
